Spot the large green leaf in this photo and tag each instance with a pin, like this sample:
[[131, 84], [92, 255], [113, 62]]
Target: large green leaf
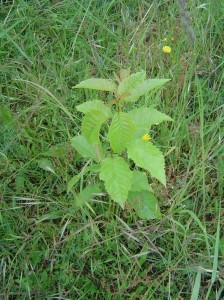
[[121, 131], [131, 82], [147, 156], [84, 148], [145, 204], [87, 194], [140, 182], [145, 117], [117, 176], [91, 124], [93, 105], [144, 88], [97, 84]]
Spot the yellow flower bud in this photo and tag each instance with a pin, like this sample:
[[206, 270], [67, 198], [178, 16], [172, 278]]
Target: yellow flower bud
[[146, 137], [166, 49]]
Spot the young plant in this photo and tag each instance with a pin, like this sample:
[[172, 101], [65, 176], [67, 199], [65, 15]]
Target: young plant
[[118, 140]]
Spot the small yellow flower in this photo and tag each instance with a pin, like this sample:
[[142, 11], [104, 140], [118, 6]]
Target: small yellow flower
[[165, 39], [166, 49], [146, 137], [172, 39]]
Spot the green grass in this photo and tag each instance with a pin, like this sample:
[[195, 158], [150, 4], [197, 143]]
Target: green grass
[[48, 248]]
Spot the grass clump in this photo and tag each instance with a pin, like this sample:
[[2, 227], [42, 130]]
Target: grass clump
[[49, 249]]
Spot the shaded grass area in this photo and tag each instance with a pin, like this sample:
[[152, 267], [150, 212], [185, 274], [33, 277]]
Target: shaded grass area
[[48, 248]]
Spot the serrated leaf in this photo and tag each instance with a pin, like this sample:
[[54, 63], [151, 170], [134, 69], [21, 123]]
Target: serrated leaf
[[140, 182], [121, 131], [131, 82], [97, 84], [145, 204], [93, 105], [147, 156], [76, 178], [87, 194], [117, 177], [91, 124], [84, 148], [145, 117], [46, 165], [144, 88]]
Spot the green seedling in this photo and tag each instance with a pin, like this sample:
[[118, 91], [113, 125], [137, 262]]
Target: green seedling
[[116, 137]]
